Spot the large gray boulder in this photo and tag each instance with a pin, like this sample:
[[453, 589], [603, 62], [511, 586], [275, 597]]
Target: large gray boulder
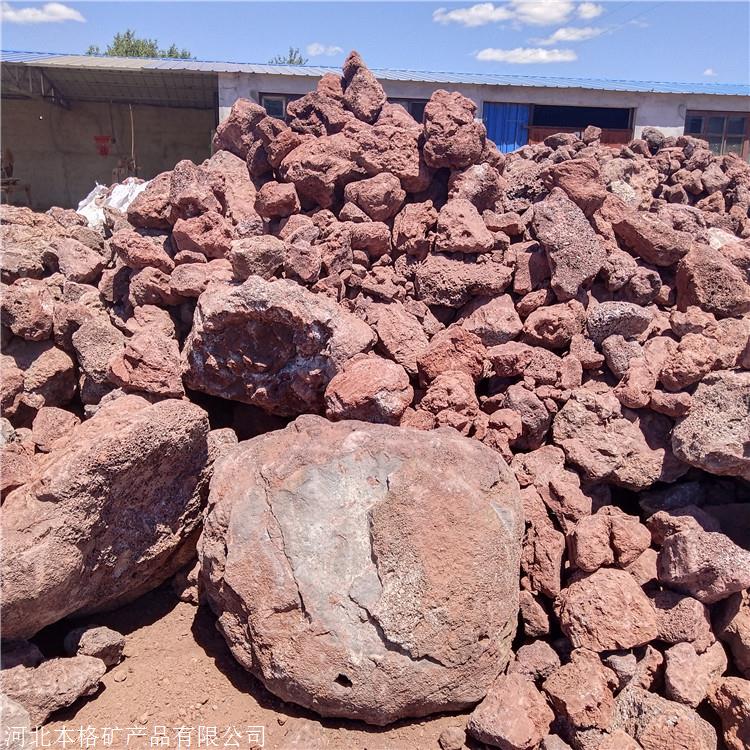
[[365, 571]]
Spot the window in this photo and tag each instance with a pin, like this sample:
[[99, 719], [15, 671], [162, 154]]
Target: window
[[609, 118], [276, 104], [415, 107], [726, 132]]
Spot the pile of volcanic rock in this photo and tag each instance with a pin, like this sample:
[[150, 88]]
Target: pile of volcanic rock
[[449, 368]]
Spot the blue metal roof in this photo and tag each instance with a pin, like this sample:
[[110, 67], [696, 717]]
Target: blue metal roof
[[52, 59]]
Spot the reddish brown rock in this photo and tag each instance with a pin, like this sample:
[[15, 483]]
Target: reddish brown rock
[[194, 190], [292, 341], [100, 642], [581, 691], [651, 239], [606, 610], [716, 428], [137, 251], [257, 256], [50, 424], [54, 684], [380, 488], [151, 460], [483, 186], [149, 363], [237, 132], [363, 94], [453, 138], [536, 661], [606, 444], [543, 546], [733, 628], [682, 619], [582, 182], [151, 208], [275, 200], [730, 699], [380, 197], [706, 278], [534, 617], [657, 723], [191, 279], [553, 327], [705, 564], [616, 318], [493, 319], [609, 537], [514, 715], [460, 229], [574, 251], [400, 335], [239, 192], [27, 308], [209, 234], [453, 280], [317, 167], [452, 349], [689, 675], [369, 388]]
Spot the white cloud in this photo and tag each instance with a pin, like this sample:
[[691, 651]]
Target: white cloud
[[48, 13], [533, 12], [542, 12], [476, 15], [316, 49], [526, 55], [710, 72], [587, 11], [570, 34]]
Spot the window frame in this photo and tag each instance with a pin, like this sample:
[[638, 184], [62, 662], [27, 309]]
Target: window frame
[[285, 98], [706, 114]]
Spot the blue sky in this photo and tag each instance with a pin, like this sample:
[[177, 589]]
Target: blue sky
[[667, 41]]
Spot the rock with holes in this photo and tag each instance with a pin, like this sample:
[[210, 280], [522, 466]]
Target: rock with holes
[[365, 571]]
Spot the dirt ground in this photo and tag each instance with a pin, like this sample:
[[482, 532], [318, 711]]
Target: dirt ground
[[179, 687]]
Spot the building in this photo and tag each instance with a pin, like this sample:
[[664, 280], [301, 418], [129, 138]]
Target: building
[[72, 120]]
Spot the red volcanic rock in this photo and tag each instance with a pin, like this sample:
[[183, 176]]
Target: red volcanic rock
[[369, 388], [730, 698], [453, 138], [276, 200], [606, 610], [705, 564], [514, 715], [581, 691], [373, 491], [574, 251], [380, 197], [460, 229], [208, 233], [133, 461], [293, 342]]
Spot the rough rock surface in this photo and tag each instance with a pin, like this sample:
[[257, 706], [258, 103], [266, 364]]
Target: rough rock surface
[[52, 685], [107, 515], [364, 589], [290, 342]]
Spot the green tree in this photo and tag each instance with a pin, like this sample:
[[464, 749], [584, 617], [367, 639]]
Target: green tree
[[293, 57], [128, 44]]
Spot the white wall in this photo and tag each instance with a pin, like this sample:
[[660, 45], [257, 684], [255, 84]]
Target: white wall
[[664, 111]]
